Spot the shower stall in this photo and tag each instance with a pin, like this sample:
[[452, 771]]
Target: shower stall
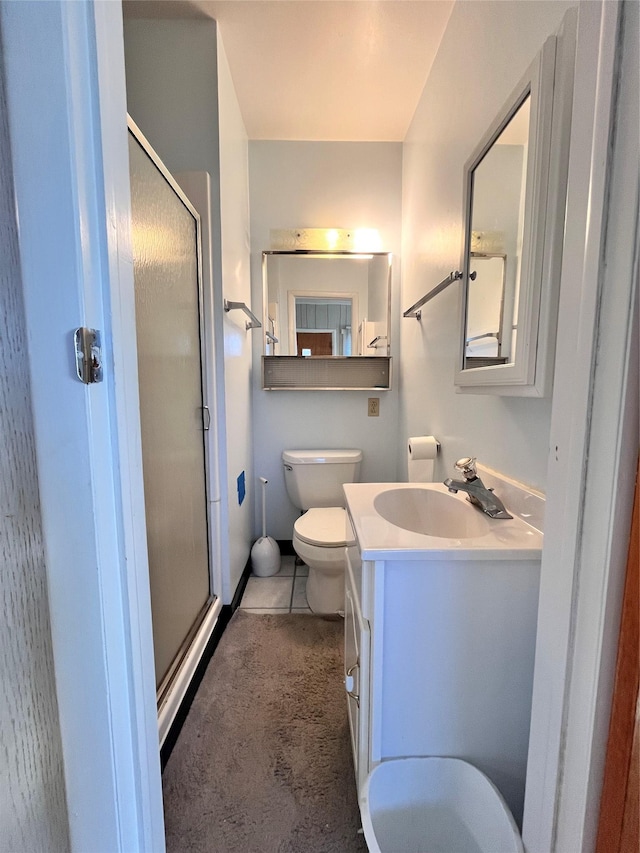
[[176, 424]]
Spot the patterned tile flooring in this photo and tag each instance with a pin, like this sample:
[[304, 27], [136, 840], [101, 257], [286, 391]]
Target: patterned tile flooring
[[281, 593]]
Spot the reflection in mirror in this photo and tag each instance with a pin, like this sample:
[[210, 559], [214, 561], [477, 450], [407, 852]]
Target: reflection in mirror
[[487, 341], [497, 212], [320, 304], [322, 323]]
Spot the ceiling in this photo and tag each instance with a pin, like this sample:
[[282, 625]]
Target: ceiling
[[343, 70]]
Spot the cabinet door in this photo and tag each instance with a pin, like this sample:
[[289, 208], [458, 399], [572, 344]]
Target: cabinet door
[[357, 679]]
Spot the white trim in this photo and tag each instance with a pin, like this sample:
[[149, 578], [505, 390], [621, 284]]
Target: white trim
[[587, 500], [182, 679], [68, 134], [611, 469], [119, 296]]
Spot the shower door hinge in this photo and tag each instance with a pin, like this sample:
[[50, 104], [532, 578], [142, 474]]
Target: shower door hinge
[[88, 354]]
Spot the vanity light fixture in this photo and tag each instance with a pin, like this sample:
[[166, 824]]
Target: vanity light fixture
[[350, 240], [335, 255], [333, 238]]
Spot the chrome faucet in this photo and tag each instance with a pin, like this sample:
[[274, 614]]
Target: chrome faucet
[[476, 490]]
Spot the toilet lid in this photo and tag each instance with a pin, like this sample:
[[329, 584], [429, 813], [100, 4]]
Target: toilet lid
[[323, 526]]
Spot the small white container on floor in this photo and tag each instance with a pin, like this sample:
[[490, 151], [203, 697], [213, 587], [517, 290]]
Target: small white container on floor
[[265, 557], [439, 805]]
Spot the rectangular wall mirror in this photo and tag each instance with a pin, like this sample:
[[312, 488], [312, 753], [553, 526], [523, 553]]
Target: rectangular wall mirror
[[326, 304], [514, 193]]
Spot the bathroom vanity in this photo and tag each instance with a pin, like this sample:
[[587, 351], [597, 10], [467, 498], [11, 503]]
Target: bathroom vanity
[[440, 630]]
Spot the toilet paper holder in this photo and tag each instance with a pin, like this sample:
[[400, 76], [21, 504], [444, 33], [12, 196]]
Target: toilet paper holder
[[437, 445], [422, 452]]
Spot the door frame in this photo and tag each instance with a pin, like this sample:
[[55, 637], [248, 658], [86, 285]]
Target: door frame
[[64, 69], [593, 446]]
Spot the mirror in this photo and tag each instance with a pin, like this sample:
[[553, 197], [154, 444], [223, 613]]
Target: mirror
[[323, 304], [498, 185], [509, 216]]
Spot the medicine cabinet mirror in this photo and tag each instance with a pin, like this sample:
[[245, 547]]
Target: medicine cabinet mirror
[[326, 304], [514, 198]]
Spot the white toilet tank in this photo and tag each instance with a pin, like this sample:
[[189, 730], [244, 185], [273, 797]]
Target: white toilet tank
[[314, 478]]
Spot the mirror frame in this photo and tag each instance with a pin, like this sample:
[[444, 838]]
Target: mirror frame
[[529, 373]]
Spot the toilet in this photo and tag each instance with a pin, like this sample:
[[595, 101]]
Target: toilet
[[314, 480], [435, 805]]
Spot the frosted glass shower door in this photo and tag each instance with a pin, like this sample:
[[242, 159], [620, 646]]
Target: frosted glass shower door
[[168, 323]]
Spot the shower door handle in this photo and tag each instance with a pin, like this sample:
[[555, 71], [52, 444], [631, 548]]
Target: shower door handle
[[206, 418]]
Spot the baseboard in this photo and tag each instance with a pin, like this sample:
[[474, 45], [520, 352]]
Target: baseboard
[[192, 689], [173, 695], [286, 547], [223, 620], [242, 585]]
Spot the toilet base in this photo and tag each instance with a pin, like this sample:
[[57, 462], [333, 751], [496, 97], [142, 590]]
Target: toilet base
[[325, 592], [325, 584]]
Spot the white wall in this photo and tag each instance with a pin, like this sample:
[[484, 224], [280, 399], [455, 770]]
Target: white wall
[[322, 185], [485, 50], [236, 285], [33, 809], [180, 93]]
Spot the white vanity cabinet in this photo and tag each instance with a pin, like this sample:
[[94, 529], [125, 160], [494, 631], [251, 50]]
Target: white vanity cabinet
[[439, 651]]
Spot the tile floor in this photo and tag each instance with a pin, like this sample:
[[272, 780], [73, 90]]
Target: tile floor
[[281, 593]]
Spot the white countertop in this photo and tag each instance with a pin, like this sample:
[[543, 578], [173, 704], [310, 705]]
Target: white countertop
[[378, 539]]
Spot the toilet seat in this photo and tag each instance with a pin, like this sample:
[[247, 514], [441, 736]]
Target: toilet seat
[[322, 526]]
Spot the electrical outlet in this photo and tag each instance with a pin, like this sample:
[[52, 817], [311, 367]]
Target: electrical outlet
[[374, 407]]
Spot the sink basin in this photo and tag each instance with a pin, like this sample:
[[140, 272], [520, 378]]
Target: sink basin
[[424, 521], [431, 512]]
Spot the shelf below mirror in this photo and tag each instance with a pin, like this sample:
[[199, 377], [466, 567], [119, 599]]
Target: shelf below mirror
[[293, 373]]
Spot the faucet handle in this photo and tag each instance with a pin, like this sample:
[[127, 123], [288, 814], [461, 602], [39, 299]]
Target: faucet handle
[[467, 467]]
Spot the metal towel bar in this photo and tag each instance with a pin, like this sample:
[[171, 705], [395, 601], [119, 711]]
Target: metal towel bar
[[271, 337], [377, 338], [252, 322], [485, 335], [414, 311]]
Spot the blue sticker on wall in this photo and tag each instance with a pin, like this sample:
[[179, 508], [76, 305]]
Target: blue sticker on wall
[[241, 488]]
